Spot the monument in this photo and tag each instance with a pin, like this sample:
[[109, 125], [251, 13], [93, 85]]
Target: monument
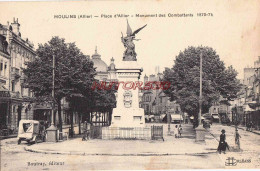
[[127, 112]]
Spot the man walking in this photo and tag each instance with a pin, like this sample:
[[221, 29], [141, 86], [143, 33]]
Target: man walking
[[237, 138]]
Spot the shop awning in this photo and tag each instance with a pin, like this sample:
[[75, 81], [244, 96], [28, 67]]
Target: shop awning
[[215, 116], [247, 108], [253, 104], [151, 116], [162, 116], [176, 117], [42, 107]]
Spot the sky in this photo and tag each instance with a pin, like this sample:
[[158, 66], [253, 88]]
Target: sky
[[233, 31]]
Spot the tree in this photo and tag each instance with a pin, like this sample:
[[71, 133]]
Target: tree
[[185, 79], [74, 72], [103, 100]]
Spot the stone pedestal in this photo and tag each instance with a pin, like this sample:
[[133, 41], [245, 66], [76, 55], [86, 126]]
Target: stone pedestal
[[52, 134], [127, 112], [200, 134]]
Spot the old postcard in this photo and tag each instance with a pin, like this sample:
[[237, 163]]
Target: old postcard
[[130, 85]]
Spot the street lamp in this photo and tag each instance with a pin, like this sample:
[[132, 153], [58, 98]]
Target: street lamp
[[168, 120], [52, 130], [53, 86], [200, 98], [200, 131]]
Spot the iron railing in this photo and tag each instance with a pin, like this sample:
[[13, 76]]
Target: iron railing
[[157, 132], [129, 133]]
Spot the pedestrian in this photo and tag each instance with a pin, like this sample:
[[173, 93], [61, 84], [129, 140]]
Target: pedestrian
[[247, 126], [88, 130], [46, 124], [237, 139], [222, 143], [84, 131], [41, 128], [180, 131], [251, 126], [176, 131]]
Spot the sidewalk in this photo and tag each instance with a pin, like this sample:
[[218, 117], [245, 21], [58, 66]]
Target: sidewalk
[[171, 146], [8, 136], [244, 128]]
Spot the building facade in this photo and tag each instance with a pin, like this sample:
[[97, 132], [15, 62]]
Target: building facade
[[246, 107], [156, 104], [17, 101], [4, 83]]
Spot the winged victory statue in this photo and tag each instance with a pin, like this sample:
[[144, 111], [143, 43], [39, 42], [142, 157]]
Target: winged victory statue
[[130, 54]]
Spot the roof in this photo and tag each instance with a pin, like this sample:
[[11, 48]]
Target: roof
[[100, 65], [112, 66]]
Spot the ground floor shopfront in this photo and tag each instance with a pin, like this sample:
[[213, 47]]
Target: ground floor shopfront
[[254, 119], [12, 110], [238, 116], [246, 118]]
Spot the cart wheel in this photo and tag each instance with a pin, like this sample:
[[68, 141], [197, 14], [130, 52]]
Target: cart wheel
[[19, 141]]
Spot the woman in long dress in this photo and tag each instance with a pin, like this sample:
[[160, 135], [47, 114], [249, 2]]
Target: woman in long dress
[[222, 142]]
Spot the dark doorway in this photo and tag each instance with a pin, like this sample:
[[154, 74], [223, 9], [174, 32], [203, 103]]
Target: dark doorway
[[3, 114], [19, 111], [42, 115]]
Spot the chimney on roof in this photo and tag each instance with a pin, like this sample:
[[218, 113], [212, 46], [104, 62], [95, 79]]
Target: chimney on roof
[[16, 26], [145, 78]]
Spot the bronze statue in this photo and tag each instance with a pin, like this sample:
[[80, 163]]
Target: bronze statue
[[130, 54]]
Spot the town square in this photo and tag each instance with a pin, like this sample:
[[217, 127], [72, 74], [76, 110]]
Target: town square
[[84, 87]]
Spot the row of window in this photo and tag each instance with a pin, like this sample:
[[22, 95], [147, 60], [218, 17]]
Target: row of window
[[3, 69], [147, 98], [22, 89]]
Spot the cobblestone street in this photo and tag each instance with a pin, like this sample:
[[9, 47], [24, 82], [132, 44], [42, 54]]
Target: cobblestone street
[[158, 160], [25, 160]]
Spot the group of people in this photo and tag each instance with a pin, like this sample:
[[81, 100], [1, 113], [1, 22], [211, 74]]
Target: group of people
[[249, 126], [223, 145], [178, 131]]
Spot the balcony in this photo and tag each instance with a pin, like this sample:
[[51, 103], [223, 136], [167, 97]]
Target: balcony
[[15, 94], [222, 109], [23, 78], [15, 73]]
